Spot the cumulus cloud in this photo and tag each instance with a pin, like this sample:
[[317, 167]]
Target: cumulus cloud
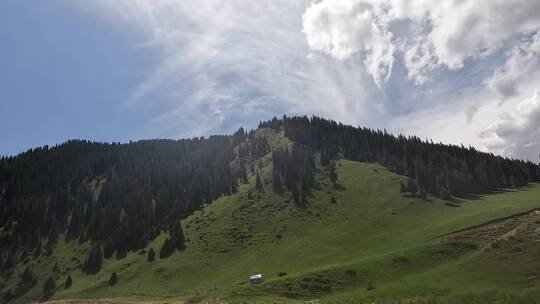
[[450, 31], [522, 64], [464, 29], [343, 28], [516, 133]]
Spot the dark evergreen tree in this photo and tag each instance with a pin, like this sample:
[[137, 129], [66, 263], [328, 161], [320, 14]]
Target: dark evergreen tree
[[93, 263], [151, 255], [177, 236], [296, 195], [276, 181], [422, 194], [37, 251], [412, 187], [27, 277], [113, 279], [68, 282], [258, 183], [444, 194], [27, 280], [49, 286], [166, 249], [332, 173], [243, 174], [108, 248], [402, 187], [8, 296], [53, 235]]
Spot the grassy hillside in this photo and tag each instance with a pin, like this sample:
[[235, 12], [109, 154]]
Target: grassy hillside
[[372, 243]]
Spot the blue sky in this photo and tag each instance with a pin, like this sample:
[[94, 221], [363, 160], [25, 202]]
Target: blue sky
[[66, 75], [122, 70]]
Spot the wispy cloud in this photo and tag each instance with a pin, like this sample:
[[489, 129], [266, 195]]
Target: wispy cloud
[[376, 63], [228, 61]]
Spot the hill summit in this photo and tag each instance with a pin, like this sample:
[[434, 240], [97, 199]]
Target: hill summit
[[324, 211]]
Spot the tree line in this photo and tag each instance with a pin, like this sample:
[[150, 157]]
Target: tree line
[[119, 196], [439, 169]]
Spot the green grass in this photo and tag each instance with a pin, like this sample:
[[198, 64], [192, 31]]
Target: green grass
[[374, 243]]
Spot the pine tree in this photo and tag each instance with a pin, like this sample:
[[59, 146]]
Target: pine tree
[[332, 173], [68, 282], [27, 277], [37, 251], [243, 174], [402, 187], [113, 279], [151, 255], [422, 194], [258, 183], [177, 236], [412, 186], [276, 181], [108, 248], [49, 285], [95, 259], [444, 194], [8, 295], [296, 195], [53, 235], [166, 249]]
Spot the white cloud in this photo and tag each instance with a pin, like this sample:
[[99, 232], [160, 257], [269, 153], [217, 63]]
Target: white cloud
[[450, 31], [459, 30], [516, 133], [393, 64], [419, 59], [522, 65], [343, 28], [224, 63]]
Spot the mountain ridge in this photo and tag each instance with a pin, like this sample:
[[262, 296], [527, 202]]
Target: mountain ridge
[[269, 176]]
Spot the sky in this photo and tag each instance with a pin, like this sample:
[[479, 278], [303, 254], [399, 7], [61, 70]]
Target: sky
[[457, 71]]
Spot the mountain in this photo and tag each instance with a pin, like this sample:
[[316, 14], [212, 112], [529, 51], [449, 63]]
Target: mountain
[[324, 211]]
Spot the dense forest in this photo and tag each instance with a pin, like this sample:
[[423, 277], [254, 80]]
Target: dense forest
[[442, 170], [120, 196]]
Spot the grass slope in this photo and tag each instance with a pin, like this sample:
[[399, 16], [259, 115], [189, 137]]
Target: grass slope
[[374, 243]]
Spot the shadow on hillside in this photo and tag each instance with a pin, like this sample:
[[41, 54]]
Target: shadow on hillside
[[414, 195], [479, 195]]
